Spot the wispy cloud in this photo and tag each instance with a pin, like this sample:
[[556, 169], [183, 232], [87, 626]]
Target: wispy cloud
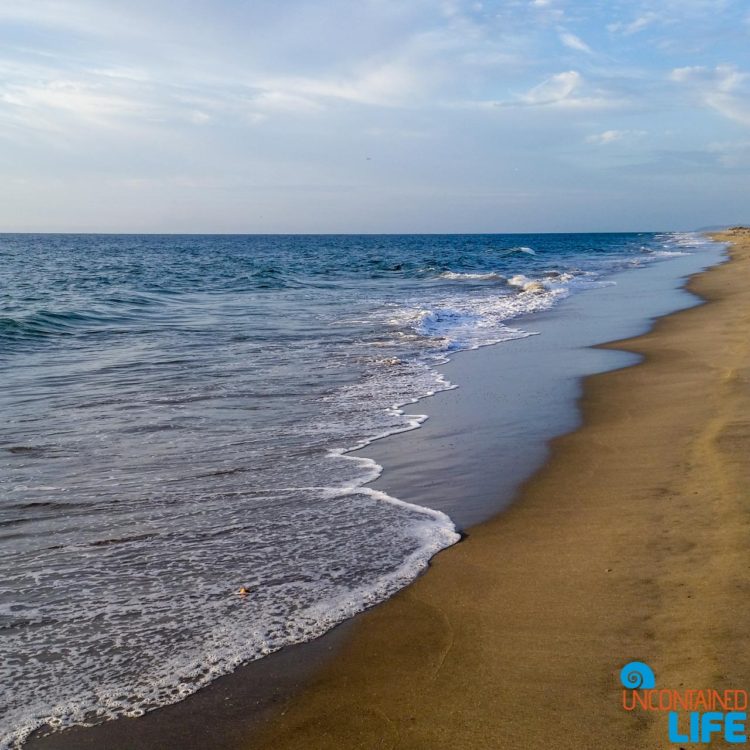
[[639, 23], [555, 90], [385, 85], [567, 90], [612, 136], [548, 11], [575, 43], [81, 17], [723, 88], [81, 100]]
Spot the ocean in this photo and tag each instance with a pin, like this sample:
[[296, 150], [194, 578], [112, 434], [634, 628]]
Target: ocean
[[178, 414]]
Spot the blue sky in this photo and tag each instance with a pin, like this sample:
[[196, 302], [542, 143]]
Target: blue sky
[[373, 116]]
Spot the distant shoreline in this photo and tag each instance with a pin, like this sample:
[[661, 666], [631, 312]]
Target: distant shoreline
[[341, 234]]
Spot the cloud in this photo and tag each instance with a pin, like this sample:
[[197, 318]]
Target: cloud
[[639, 24], [283, 101], [385, 85], [611, 136], [199, 117], [554, 90], [575, 43], [81, 17], [723, 88], [546, 11], [78, 99], [686, 19], [568, 90]]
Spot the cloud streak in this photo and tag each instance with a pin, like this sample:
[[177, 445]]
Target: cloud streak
[[571, 41], [724, 88], [613, 136]]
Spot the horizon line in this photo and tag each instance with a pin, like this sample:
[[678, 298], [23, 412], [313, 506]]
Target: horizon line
[[712, 228]]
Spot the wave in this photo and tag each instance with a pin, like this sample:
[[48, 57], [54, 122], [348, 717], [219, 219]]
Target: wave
[[454, 276], [667, 253], [227, 646], [468, 323], [44, 324], [35, 326], [527, 285]]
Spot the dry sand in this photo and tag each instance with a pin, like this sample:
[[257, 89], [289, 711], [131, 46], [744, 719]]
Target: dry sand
[[631, 543]]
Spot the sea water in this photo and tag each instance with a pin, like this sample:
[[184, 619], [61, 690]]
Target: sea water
[[175, 418]]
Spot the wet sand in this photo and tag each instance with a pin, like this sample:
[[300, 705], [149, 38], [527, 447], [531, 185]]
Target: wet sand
[[631, 543]]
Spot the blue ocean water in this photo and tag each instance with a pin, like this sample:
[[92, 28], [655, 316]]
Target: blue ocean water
[[176, 412]]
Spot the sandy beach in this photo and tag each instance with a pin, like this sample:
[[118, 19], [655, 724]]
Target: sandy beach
[[630, 544]]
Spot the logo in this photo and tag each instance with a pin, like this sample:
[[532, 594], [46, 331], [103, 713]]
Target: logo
[[697, 716]]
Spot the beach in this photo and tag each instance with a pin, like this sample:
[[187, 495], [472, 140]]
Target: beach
[[629, 544]]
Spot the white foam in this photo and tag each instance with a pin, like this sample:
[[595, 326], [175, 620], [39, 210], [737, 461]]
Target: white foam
[[464, 321], [491, 276], [668, 253], [530, 285], [96, 682]]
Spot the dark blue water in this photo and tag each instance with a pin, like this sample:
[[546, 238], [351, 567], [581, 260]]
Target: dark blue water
[[175, 414]]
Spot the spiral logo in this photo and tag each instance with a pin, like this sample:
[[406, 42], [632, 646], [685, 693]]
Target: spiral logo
[[637, 675]]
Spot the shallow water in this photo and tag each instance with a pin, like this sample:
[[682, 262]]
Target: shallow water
[[175, 416]]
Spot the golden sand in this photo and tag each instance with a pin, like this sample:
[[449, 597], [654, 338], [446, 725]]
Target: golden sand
[[632, 543]]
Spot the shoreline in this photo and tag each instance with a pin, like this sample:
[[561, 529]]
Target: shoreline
[[486, 437], [268, 685], [629, 544]]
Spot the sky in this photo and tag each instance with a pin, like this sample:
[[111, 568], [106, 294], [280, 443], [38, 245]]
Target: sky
[[373, 115]]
